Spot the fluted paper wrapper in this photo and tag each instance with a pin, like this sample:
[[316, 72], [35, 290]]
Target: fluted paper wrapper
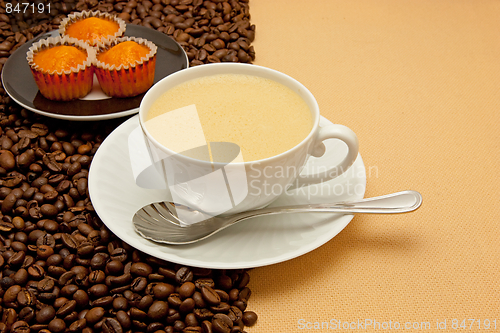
[[61, 85], [126, 80]]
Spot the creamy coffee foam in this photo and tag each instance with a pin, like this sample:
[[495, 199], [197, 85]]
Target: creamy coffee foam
[[264, 117]]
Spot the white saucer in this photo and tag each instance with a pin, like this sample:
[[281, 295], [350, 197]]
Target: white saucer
[[253, 243]]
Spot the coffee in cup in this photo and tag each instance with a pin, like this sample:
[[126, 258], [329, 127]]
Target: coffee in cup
[[263, 117]]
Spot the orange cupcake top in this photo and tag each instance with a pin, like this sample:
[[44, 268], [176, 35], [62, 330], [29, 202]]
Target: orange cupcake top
[[128, 52], [57, 58], [91, 29]]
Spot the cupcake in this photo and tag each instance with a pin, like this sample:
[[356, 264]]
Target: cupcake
[[92, 27], [62, 67], [125, 67]]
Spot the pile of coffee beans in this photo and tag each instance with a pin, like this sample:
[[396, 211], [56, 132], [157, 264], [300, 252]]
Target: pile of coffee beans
[[61, 269]]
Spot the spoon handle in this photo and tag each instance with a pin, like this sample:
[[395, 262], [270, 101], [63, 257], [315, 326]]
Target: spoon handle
[[399, 202]]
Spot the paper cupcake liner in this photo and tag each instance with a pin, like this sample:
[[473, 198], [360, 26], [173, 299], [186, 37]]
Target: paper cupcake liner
[[62, 85], [126, 80], [74, 17]]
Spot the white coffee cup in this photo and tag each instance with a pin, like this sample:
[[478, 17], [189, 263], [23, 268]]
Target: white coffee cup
[[236, 185]]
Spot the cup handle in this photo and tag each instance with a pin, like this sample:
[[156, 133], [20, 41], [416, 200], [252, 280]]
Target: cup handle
[[342, 133]]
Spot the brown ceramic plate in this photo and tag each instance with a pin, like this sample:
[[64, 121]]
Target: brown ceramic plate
[[21, 87]]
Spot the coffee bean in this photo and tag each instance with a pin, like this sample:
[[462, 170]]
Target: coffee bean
[[97, 277], [7, 160], [54, 260], [68, 241], [48, 210], [163, 290], [45, 314], [137, 314], [26, 314], [158, 310], [198, 299], [95, 238], [124, 319], [94, 315], [57, 325], [51, 163], [44, 251], [186, 289], [224, 297], [187, 305], [66, 278], [18, 246], [174, 300], [213, 59], [68, 307], [9, 318], [51, 225], [48, 298], [98, 290], [138, 284], [104, 302], [206, 326], [39, 129], [204, 282], [17, 259], [210, 296], [184, 274], [139, 325], [55, 271], [141, 269], [222, 307], [235, 314], [240, 304], [26, 298], [11, 293], [237, 329], [169, 274], [221, 323], [20, 327], [85, 249], [114, 267], [249, 318], [36, 271], [119, 254], [244, 294], [78, 325], [81, 298], [68, 290], [218, 43], [145, 302], [121, 280], [7, 205], [84, 228], [46, 239], [21, 276], [111, 325], [179, 326]]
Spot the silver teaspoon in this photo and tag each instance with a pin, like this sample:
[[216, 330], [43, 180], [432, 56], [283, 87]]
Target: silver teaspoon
[[159, 221]]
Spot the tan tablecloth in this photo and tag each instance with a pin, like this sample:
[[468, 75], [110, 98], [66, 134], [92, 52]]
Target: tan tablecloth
[[418, 81]]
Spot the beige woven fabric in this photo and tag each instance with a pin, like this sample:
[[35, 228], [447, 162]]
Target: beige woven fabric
[[419, 82]]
